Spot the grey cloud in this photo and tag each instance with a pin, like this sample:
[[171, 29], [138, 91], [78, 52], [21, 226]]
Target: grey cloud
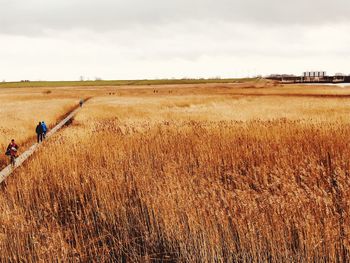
[[37, 16], [63, 39]]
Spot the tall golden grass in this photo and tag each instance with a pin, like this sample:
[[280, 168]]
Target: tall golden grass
[[186, 179]]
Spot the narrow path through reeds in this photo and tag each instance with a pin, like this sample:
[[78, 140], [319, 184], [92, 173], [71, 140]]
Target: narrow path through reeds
[[8, 170]]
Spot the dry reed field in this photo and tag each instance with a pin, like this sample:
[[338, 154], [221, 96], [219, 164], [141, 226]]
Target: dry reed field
[[252, 172]]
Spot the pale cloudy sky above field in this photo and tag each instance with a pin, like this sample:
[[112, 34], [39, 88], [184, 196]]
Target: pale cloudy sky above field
[[66, 39]]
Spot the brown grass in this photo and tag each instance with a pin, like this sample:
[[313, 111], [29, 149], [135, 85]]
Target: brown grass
[[188, 177]]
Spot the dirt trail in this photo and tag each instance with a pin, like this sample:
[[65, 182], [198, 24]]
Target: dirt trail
[[7, 171]]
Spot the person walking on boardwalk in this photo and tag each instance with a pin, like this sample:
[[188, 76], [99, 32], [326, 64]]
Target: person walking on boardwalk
[[39, 132], [81, 102], [44, 129], [11, 151]]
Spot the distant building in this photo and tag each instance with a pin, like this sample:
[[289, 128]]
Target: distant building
[[314, 74], [340, 75], [310, 77], [280, 76]]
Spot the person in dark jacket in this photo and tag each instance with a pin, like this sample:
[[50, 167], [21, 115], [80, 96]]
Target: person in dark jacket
[[39, 132], [44, 129]]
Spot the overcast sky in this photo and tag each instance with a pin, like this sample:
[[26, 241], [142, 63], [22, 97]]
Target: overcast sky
[[136, 39]]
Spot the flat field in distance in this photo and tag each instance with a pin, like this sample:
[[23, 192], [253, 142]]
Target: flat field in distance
[[245, 172], [98, 83]]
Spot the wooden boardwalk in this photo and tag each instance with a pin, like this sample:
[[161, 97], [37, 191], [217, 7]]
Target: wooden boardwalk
[[24, 156]]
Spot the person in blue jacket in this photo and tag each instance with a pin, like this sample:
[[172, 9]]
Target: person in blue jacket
[[43, 124]]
